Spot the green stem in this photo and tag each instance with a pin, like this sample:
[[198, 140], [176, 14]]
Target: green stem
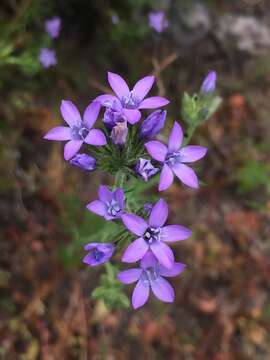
[[120, 179], [190, 131]]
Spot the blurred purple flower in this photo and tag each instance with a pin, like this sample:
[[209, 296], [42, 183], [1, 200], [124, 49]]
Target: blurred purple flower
[[152, 125], [158, 21], [174, 158], [84, 161], [115, 19], [110, 204], [113, 114], [79, 130], [145, 169], [209, 83], [131, 100], [153, 235], [119, 133], [47, 57], [150, 275], [99, 253], [53, 27], [147, 207]]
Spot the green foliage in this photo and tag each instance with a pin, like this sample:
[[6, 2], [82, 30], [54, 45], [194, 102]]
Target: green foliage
[[253, 175]]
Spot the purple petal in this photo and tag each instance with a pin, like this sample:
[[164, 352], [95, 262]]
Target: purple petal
[[95, 137], [135, 224], [157, 150], [129, 276], [106, 99], [171, 233], [149, 260], [163, 253], [91, 113], [97, 207], [174, 271], [135, 251], [119, 196], [186, 175], [90, 246], [140, 294], [70, 112], [166, 178], [176, 137], [192, 153], [60, 133], [71, 148], [153, 102], [105, 194], [143, 86], [162, 289], [132, 115], [118, 84], [159, 214]]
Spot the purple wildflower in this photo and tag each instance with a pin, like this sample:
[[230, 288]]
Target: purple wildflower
[[79, 130], [209, 83], [131, 100], [174, 158], [119, 133], [98, 253], [152, 125], [145, 169], [153, 235], [110, 204], [53, 27], [150, 275], [113, 114], [47, 57], [115, 19], [84, 161], [158, 21], [147, 207]]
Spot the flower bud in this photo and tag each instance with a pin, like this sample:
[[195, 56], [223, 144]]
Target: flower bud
[[84, 161], [119, 133], [209, 83], [153, 124], [113, 114], [145, 169], [99, 253]]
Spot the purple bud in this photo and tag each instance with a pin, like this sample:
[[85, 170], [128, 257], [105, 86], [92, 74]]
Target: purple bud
[[145, 169], [147, 207], [115, 19], [84, 161], [119, 133], [209, 83], [47, 57], [153, 124], [113, 114], [158, 21], [53, 27], [98, 253]]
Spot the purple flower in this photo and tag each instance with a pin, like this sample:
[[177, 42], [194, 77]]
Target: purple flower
[[153, 124], [145, 169], [115, 19], [119, 133], [113, 114], [99, 253], [84, 161], [79, 130], [150, 276], [147, 207], [209, 83], [53, 27], [158, 21], [174, 158], [47, 57], [110, 204], [131, 100], [153, 235]]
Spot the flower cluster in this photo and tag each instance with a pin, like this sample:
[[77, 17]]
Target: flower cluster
[[128, 146], [47, 57]]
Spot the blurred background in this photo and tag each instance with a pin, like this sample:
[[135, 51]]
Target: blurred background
[[222, 307]]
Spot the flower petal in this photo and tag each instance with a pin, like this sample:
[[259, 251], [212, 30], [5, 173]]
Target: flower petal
[[176, 269], [159, 214], [153, 102], [105, 194], [135, 251], [134, 223], [157, 150], [129, 276], [119, 196], [140, 294], [91, 113], [166, 178], [95, 137], [162, 289], [143, 86], [176, 137], [71, 148], [132, 115], [118, 84], [171, 233], [192, 153], [106, 99], [60, 133], [149, 260], [97, 207], [186, 175], [163, 253], [70, 112]]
